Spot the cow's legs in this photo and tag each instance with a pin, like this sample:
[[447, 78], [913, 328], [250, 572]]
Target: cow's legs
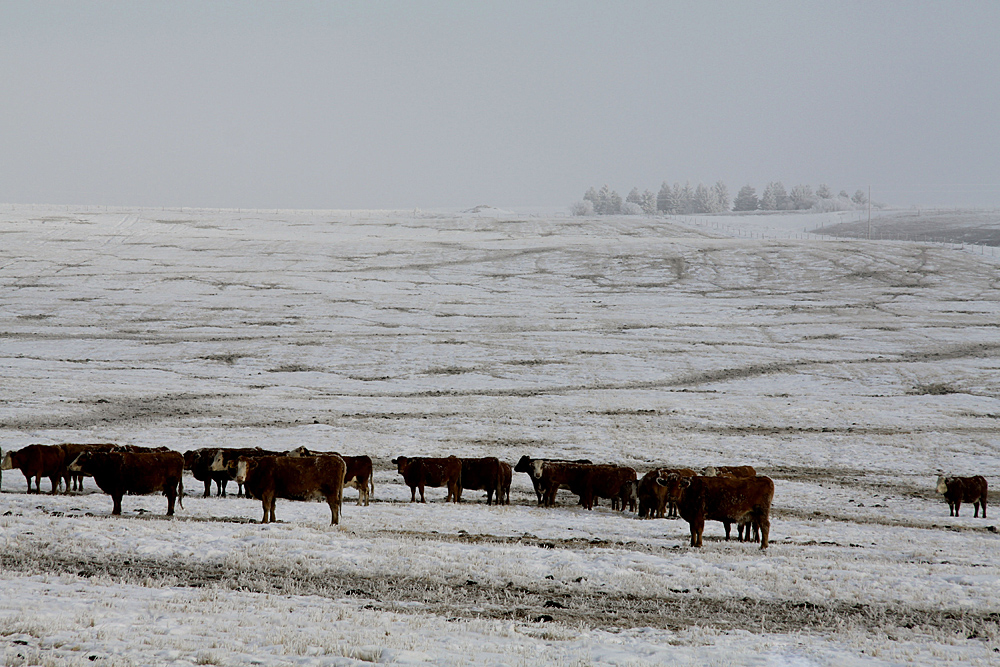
[[208, 488], [697, 529], [334, 504], [55, 485], [958, 506], [116, 500], [170, 491], [422, 499], [765, 529]]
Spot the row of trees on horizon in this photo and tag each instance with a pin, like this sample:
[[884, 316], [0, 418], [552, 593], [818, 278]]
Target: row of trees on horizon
[[702, 199]]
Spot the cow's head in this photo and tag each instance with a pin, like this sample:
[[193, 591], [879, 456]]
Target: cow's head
[[300, 451], [942, 484], [243, 466], [77, 464], [8, 462], [536, 469], [523, 464], [710, 471], [218, 462], [630, 491], [401, 463], [674, 483]]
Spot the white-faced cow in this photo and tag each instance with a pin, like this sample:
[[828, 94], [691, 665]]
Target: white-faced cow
[[654, 500], [225, 458], [526, 465], [37, 461], [958, 490]]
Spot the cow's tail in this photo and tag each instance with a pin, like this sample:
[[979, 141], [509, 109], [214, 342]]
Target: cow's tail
[[180, 492]]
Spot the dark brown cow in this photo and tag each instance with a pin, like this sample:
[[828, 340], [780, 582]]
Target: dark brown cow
[[525, 464], [483, 474], [654, 500], [118, 473], [587, 480], [293, 478], [360, 472], [507, 475], [958, 490], [199, 462], [419, 472], [72, 450], [38, 461], [226, 457], [726, 499]]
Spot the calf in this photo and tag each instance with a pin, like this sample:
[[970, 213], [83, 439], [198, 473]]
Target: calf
[[293, 478], [958, 490], [419, 472], [38, 461], [483, 474], [525, 464], [655, 502], [729, 500], [118, 473], [360, 472]]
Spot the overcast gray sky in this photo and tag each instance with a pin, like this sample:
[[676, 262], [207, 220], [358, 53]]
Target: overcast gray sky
[[452, 104]]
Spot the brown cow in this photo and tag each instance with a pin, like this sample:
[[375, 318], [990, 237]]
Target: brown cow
[[587, 480], [118, 473], [419, 472], [729, 471], [525, 464], [72, 450], [199, 462], [506, 475], [958, 490], [226, 457], [293, 478], [725, 499], [38, 461], [654, 500], [483, 474], [360, 472]]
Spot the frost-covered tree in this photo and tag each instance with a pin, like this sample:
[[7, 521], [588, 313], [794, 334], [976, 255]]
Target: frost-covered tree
[[843, 195], [616, 204], [704, 199], [774, 198], [721, 197], [585, 207], [684, 196], [648, 202], [860, 198], [746, 199], [802, 197], [634, 196], [824, 192], [604, 205], [665, 202], [591, 196], [631, 208]]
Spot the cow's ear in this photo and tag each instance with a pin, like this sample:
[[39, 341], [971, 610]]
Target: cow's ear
[[395, 461], [685, 481]]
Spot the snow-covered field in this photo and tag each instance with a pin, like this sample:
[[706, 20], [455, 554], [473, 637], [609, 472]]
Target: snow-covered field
[[851, 372]]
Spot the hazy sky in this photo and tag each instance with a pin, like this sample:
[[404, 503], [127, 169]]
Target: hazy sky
[[452, 104]]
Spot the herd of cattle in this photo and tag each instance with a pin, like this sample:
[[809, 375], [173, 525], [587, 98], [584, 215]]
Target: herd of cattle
[[728, 494]]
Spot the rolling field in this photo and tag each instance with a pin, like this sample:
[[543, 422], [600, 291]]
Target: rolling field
[[851, 372]]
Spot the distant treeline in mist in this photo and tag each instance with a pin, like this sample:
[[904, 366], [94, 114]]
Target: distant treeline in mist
[[685, 200]]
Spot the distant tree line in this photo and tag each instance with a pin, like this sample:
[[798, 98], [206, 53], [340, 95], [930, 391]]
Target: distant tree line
[[685, 200]]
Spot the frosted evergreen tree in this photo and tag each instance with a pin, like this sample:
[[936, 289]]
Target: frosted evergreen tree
[[802, 197], [591, 196], [746, 199], [665, 202], [824, 192], [774, 198], [860, 198], [634, 197], [684, 198], [721, 197], [616, 204], [648, 203], [704, 199], [603, 206], [843, 195]]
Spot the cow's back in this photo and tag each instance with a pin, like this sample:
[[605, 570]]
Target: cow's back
[[298, 478]]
